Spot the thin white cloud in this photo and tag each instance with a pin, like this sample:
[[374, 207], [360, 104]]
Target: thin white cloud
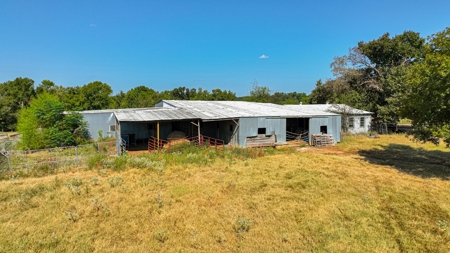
[[92, 25], [263, 56]]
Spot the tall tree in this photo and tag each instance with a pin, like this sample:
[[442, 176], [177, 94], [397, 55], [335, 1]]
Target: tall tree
[[43, 125], [222, 95], [15, 95], [140, 97], [371, 76], [259, 93], [117, 101], [72, 98], [427, 97], [96, 95]]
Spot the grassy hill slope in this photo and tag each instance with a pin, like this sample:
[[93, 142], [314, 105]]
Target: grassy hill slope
[[363, 195]]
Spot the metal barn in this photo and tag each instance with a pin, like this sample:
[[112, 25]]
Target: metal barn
[[236, 123]]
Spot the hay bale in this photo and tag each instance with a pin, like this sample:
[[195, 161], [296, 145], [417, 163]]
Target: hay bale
[[176, 135]]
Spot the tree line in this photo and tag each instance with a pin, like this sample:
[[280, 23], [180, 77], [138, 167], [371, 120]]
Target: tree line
[[403, 76], [20, 92]]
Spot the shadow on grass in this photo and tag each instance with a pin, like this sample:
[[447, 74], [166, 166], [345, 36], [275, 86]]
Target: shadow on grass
[[415, 161]]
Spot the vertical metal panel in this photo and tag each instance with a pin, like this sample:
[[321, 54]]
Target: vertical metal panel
[[100, 121], [249, 128], [118, 138], [333, 124], [335, 127], [338, 126], [315, 123], [277, 127]]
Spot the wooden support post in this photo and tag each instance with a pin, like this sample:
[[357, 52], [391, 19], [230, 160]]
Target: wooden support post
[[198, 129], [157, 133]]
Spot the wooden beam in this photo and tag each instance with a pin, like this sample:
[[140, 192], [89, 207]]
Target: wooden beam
[[198, 127], [157, 133]]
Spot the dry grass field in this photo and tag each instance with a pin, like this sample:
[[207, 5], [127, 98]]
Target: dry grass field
[[362, 195]]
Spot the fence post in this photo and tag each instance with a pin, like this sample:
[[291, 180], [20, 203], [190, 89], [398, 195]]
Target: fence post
[[9, 166], [76, 156]]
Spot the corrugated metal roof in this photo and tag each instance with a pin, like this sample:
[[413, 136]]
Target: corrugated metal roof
[[168, 110], [154, 114], [217, 110], [115, 110], [331, 108]]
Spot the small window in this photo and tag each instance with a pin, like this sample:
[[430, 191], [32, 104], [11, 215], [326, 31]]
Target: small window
[[112, 128], [261, 130], [231, 128], [361, 122], [351, 122], [323, 129]]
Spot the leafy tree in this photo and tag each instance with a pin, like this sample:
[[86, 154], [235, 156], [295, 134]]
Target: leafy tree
[[47, 86], [43, 125], [288, 98], [14, 95], [96, 96], [183, 93], [200, 94], [7, 119], [72, 98], [140, 97], [371, 76], [258, 93], [117, 101], [427, 97], [222, 95]]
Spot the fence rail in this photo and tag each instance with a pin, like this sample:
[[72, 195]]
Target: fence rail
[[75, 156], [169, 146]]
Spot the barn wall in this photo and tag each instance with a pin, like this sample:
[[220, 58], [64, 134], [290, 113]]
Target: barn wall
[[99, 121], [333, 124], [219, 130], [357, 128], [248, 127]]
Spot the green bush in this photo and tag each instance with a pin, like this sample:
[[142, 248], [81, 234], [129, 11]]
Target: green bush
[[95, 161]]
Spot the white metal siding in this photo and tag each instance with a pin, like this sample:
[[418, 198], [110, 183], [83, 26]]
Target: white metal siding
[[356, 124], [100, 121]]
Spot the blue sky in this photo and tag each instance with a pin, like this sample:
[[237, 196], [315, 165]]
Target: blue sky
[[210, 44]]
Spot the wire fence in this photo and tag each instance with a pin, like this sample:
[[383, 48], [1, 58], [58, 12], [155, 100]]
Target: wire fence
[[52, 158]]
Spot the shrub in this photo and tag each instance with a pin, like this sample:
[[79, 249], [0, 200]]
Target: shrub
[[242, 226], [95, 160]]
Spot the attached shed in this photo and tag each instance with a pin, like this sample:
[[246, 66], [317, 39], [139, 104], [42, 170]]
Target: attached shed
[[355, 120], [100, 120], [318, 121]]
